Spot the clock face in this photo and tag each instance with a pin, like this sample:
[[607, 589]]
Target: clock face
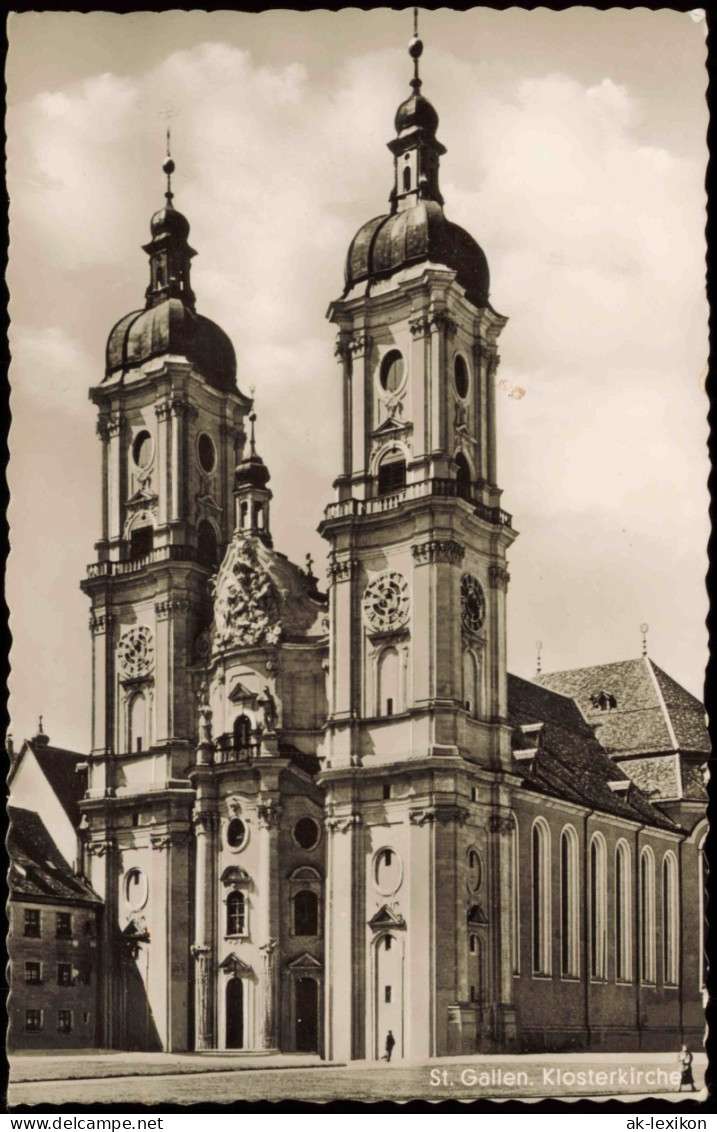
[[472, 603], [136, 651], [386, 602]]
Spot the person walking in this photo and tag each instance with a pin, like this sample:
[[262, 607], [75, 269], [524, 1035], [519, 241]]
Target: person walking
[[685, 1060], [390, 1043]]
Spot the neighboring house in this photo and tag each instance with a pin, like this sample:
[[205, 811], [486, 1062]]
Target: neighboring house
[[53, 940]]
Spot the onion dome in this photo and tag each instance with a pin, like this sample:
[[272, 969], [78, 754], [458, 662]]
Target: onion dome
[[169, 323], [416, 230], [251, 471]]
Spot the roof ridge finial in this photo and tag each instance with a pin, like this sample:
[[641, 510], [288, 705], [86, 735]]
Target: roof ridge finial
[[644, 629], [415, 50], [168, 168]]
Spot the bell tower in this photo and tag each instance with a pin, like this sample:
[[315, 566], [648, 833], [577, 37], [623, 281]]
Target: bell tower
[[417, 748], [171, 426]]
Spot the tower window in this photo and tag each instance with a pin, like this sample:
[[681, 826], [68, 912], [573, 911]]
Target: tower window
[[387, 994], [463, 476], [142, 449], [406, 179], [306, 913], [389, 941], [236, 913], [244, 516], [206, 453], [393, 367], [207, 547], [392, 472], [242, 732], [141, 541]]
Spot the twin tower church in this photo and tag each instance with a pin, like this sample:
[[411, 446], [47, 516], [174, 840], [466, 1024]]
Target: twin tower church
[[316, 817]]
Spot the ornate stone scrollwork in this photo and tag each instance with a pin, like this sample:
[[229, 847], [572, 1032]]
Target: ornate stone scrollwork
[[501, 823], [268, 814], [341, 349], [101, 622], [168, 608], [441, 320], [162, 841], [246, 605], [162, 410], [498, 577], [419, 326], [439, 813], [343, 824], [205, 821], [341, 570], [386, 602], [359, 345], [100, 848], [437, 550], [135, 652]]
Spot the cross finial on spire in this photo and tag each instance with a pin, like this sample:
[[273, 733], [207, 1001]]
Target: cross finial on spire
[[644, 628], [168, 168], [415, 50], [538, 662], [252, 418]]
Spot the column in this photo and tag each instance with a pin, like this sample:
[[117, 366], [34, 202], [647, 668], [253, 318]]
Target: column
[[344, 962], [268, 981], [179, 412], [102, 695], [492, 370], [114, 497], [359, 347], [103, 431], [206, 824], [482, 377], [163, 450], [268, 815], [501, 827], [420, 394], [497, 687]]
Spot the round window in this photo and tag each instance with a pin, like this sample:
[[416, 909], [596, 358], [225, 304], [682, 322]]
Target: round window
[[460, 376], [142, 449], [206, 452], [306, 833], [236, 833], [474, 874], [387, 871], [392, 371], [136, 889]]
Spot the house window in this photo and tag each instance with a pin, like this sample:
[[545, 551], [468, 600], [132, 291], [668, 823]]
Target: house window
[[64, 1021], [473, 994], [623, 913], [387, 790], [32, 922], [569, 902], [236, 913], [64, 925], [598, 908], [670, 927], [64, 975], [474, 793], [306, 913], [33, 973], [33, 1021], [392, 472], [542, 929], [647, 916]]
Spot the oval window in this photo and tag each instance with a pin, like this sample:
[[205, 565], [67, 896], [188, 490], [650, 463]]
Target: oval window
[[475, 870], [392, 371], [142, 449], [460, 375], [206, 453], [136, 889], [306, 833], [387, 871], [236, 833]]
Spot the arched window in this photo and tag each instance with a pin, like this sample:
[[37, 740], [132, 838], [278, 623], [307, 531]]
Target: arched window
[[137, 739], [515, 903], [406, 179], [623, 912], [236, 913], [598, 908], [392, 472], [569, 902], [647, 916], [141, 540], [463, 476], [207, 548], [244, 515], [242, 733], [471, 699], [306, 913], [670, 924], [259, 516], [388, 667], [542, 929]]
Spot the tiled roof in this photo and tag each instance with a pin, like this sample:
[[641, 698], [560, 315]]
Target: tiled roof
[[38, 871], [60, 769], [571, 763], [652, 714]]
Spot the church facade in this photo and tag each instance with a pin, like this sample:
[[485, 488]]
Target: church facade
[[317, 818]]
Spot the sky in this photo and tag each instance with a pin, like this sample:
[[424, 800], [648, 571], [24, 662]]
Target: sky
[[576, 157]]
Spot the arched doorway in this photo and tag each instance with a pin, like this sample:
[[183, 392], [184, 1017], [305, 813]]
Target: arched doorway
[[307, 1015], [235, 1014]]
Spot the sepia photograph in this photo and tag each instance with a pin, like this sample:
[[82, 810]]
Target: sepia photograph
[[358, 534]]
